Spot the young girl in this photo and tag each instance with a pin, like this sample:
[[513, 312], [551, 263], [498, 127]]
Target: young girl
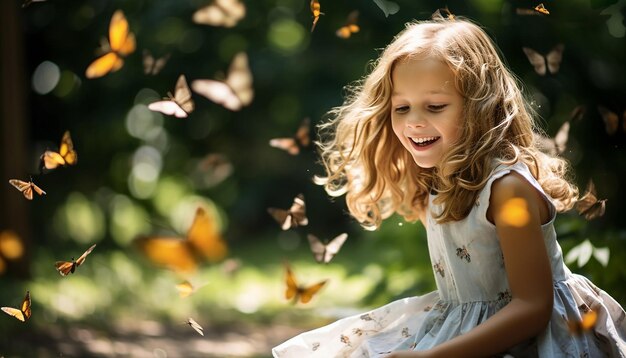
[[440, 132]]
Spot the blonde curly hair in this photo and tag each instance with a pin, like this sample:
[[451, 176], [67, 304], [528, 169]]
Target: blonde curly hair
[[364, 159]]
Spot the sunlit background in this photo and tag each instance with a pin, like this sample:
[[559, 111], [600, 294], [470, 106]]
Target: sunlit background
[[141, 174]]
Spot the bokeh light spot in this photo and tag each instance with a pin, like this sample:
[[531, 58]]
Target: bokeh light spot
[[46, 77], [11, 246]]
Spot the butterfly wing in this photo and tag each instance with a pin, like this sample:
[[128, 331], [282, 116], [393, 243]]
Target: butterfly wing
[[536, 59], [218, 92], [287, 144], [168, 107], [24, 312], [560, 140], [317, 248], [52, 160], [306, 294], [14, 312], [298, 211], [182, 95], [554, 57], [64, 267], [315, 10], [66, 149], [204, 236], [185, 289], [169, 252], [303, 133], [197, 327], [589, 206], [292, 285], [109, 62], [333, 247], [122, 41], [23, 187], [283, 217], [240, 79], [226, 13], [82, 257], [610, 118]]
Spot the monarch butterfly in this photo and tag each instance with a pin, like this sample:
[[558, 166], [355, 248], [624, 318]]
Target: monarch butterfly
[[324, 252], [293, 217], [551, 61], [292, 145], [203, 241], [542, 9], [121, 44], [537, 10], [226, 13], [152, 65], [350, 27], [67, 267], [235, 91], [315, 10], [23, 313], [586, 322], [180, 104], [65, 156], [193, 324], [27, 188], [297, 292], [589, 206]]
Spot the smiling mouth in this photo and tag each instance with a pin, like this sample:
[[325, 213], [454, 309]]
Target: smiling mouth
[[424, 141]]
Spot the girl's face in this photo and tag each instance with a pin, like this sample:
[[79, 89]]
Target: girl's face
[[426, 109]]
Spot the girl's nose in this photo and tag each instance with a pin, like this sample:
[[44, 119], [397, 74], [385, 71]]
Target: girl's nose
[[415, 120]]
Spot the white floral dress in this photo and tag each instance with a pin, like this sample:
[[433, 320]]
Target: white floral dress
[[472, 286]]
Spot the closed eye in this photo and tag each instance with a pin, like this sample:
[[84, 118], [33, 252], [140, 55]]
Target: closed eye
[[437, 107], [401, 109]]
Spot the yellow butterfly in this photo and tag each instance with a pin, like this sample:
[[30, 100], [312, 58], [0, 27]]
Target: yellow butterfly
[[23, 313], [185, 289], [542, 9], [203, 241], [292, 217], [315, 10], [67, 267], [121, 44], [233, 93], [292, 145], [180, 104], [65, 156], [589, 206], [300, 293], [226, 13], [152, 65], [27, 188], [350, 27], [550, 62]]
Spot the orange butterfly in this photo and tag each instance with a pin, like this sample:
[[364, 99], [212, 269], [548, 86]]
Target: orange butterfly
[[589, 206], [587, 322], [297, 292], [541, 63], [293, 217], [203, 241], [350, 26], [27, 188], [152, 65], [67, 267], [180, 104], [226, 13], [23, 313], [65, 156], [121, 44], [315, 9], [193, 324], [542, 9], [324, 252], [292, 145], [235, 91], [611, 120]]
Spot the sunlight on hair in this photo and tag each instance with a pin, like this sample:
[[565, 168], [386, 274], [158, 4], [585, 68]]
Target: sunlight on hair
[[11, 246], [515, 212]]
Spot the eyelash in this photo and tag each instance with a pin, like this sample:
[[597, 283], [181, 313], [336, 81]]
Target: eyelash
[[431, 108]]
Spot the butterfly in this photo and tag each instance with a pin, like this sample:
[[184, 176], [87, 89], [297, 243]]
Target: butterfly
[[212, 170], [203, 241], [292, 145], [67, 267], [65, 156], [293, 217], [611, 120], [537, 10], [550, 62], [589, 206], [556, 145], [297, 292], [193, 324], [324, 252], [121, 44], [350, 26], [180, 104], [23, 313], [587, 322], [444, 13], [315, 10], [185, 289], [27, 188], [235, 91], [226, 13], [151, 65]]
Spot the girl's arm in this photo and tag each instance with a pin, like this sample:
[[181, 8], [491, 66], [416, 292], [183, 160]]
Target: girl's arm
[[528, 271]]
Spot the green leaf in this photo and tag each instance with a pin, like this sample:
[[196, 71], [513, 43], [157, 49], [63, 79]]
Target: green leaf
[[388, 7]]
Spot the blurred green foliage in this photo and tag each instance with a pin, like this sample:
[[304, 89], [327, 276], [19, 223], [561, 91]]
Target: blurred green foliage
[[138, 170]]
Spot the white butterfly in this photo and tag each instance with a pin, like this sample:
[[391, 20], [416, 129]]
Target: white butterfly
[[226, 13], [551, 61], [180, 104], [233, 93]]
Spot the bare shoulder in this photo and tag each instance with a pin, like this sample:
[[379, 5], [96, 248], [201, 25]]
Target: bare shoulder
[[514, 185]]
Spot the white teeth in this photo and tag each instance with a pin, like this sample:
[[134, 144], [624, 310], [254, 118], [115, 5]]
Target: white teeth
[[423, 139]]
